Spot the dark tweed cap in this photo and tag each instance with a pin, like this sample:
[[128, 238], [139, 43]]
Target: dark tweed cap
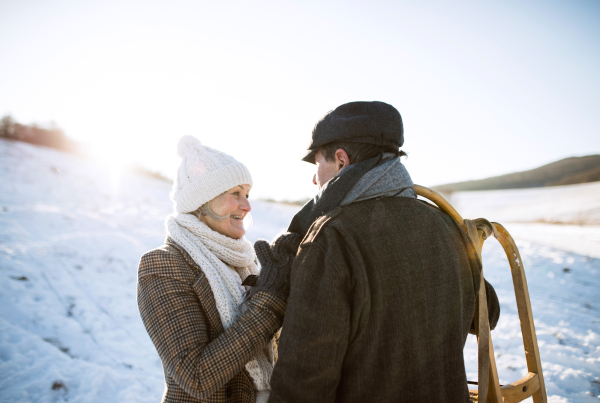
[[374, 122]]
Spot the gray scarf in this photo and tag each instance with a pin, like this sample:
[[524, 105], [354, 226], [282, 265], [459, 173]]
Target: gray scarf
[[388, 179], [381, 176]]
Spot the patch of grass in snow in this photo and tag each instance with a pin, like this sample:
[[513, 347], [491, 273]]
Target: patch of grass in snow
[[56, 343], [59, 385]]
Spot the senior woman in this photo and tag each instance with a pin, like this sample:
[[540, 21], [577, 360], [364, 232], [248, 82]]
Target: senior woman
[[214, 347]]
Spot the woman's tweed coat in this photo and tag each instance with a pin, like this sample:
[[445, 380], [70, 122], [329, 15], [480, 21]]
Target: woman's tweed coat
[[201, 361]]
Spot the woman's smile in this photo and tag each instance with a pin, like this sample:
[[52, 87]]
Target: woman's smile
[[233, 204]]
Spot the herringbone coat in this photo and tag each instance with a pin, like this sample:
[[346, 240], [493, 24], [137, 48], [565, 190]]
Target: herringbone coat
[[201, 361], [382, 298]]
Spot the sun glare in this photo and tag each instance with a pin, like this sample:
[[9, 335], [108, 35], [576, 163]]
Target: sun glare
[[248, 221], [114, 161]]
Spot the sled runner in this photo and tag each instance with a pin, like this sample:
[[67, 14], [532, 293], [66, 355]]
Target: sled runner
[[489, 389]]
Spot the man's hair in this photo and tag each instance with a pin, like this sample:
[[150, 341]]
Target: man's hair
[[357, 152]]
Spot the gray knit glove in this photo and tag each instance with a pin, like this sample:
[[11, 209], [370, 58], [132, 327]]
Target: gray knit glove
[[276, 261]]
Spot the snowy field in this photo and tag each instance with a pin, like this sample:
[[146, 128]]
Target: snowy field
[[72, 232], [564, 217]]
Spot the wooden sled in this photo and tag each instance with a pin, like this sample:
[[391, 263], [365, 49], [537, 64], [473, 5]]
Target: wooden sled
[[489, 389]]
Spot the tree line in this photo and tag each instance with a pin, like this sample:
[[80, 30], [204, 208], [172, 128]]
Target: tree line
[[51, 136]]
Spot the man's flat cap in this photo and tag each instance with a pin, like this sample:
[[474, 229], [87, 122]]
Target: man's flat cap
[[374, 123]]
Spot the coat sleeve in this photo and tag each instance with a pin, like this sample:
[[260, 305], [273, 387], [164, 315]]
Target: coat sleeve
[[316, 329], [178, 327], [493, 307]]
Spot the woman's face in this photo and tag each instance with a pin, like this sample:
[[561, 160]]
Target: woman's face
[[235, 205]]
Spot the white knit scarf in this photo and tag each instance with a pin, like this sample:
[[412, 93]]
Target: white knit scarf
[[226, 262]]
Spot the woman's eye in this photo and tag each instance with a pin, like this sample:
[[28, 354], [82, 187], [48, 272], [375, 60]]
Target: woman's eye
[[247, 196], [236, 193]]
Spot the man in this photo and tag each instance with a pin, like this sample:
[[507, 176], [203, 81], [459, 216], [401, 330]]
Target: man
[[383, 288]]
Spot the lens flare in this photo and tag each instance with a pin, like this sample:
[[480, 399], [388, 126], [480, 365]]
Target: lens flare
[[248, 221], [113, 160]]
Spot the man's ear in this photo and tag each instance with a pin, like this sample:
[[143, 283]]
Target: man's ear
[[341, 159]]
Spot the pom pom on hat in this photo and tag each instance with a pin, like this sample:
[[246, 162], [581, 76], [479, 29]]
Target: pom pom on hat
[[185, 142], [204, 173]]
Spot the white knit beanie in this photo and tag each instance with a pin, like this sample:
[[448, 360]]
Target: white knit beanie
[[204, 173]]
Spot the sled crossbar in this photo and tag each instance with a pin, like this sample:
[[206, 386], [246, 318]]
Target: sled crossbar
[[531, 384]]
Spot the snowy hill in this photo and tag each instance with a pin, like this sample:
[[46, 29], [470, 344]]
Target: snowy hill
[[72, 232]]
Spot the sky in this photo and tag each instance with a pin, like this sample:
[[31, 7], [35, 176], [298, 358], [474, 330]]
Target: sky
[[484, 88]]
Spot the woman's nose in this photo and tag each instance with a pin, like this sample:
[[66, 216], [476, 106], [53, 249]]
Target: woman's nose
[[245, 205], [314, 179]]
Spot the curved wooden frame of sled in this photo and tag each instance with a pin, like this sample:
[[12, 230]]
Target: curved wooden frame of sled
[[531, 384]]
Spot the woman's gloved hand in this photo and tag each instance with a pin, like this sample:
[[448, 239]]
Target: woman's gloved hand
[[276, 261]]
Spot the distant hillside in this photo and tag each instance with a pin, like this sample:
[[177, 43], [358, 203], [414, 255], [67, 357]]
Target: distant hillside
[[568, 171]]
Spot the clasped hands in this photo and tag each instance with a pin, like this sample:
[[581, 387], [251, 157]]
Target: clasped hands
[[276, 260]]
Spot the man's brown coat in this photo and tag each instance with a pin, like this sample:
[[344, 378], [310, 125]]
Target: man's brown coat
[[382, 297]]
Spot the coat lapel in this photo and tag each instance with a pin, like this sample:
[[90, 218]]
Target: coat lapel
[[204, 293]]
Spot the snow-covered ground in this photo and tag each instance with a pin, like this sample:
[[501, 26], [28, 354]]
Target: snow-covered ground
[[564, 217], [571, 204], [72, 232]]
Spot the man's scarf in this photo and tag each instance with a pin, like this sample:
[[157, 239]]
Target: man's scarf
[[380, 176]]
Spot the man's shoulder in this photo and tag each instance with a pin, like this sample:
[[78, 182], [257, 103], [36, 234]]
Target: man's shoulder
[[386, 209], [319, 224], [405, 212], [379, 208]]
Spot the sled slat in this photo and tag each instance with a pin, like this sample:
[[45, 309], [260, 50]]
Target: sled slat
[[521, 389], [494, 391], [478, 231], [516, 391]]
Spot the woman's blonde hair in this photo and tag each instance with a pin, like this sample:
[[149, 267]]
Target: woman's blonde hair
[[206, 208]]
